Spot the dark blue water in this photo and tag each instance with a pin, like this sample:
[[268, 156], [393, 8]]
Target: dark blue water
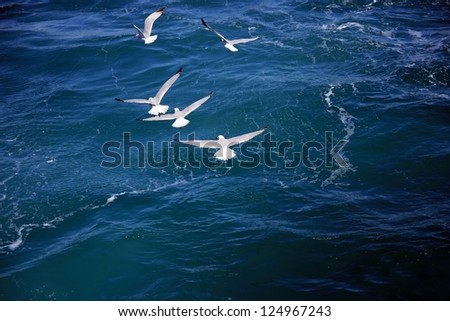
[[370, 77]]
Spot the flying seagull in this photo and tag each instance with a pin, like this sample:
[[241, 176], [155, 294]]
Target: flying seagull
[[229, 44], [223, 144], [148, 25], [179, 115], [155, 102]]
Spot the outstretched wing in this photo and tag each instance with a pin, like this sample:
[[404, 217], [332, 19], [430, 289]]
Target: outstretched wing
[[150, 20], [212, 30], [243, 138], [202, 143], [140, 33], [195, 105], [160, 117], [134, 101], [162, 91], [238, 41]]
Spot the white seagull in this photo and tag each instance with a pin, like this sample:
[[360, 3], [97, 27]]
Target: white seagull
[[148, 25], [179, 115], [229, 44], [223, 144], [155, 102]]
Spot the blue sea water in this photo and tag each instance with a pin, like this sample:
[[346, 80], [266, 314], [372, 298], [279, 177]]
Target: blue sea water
[[373, 76]]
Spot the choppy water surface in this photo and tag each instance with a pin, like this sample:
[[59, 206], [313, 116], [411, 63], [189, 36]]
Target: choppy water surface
[[372, 76]]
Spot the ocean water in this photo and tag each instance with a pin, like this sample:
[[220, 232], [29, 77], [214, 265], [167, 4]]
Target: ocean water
[[350, 202]]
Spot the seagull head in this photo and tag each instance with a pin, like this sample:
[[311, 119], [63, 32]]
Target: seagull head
[[220, 137]]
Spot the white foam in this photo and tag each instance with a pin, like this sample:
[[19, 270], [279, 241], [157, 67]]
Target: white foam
[[414, 33], [113, 197], [48, 225], [14, 245], [350, 25], [371, 4], [349, 128], [328, 95], [345, 118], [19, 241], [337, 173]]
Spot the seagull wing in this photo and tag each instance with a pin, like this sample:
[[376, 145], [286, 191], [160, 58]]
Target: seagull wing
[[195, 105], [161, 117], [238, 41], [160, 94], [243, 138], [140, 33], [202, 143], [150, 20], [212, 30], [134, 101]]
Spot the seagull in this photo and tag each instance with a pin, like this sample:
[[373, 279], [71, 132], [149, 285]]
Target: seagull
[[148, 25], [229, 44], [223, 144], [155, 102], [179, 115]]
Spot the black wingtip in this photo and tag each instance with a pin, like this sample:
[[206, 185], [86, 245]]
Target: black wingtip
[[265, 127], [180, 70], [161, 9], [204, 23], [118, 99], [210, 93]]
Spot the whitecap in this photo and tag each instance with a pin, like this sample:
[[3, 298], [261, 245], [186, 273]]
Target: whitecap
[[349, 128], [327, 96], [19, 241], [113, 197], [350, 25], [414, 33], [48, 225], [14, 245], [371, 4]]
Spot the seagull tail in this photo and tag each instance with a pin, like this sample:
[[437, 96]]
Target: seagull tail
[[225, 154], [150, 39], [230, 47], [158, 109], [180, 122]]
